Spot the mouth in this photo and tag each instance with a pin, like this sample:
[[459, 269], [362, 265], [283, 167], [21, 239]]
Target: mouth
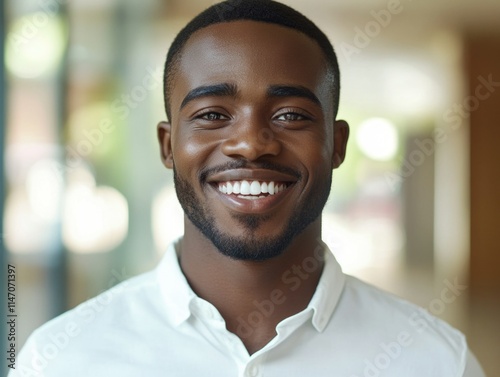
[[252, 191]]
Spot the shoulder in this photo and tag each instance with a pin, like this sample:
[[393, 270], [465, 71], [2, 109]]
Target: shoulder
[[94, 328], [393, 329], [390, 310], [110, 305]]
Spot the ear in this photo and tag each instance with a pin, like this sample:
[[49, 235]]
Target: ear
[[164, 138], [340, 135]]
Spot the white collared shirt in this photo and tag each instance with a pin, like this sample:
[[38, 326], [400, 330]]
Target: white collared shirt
[[154, 325]]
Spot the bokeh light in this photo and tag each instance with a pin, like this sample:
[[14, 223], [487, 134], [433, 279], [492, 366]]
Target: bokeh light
[[378, 139], [95, 219], [35, 45], [44, 186]]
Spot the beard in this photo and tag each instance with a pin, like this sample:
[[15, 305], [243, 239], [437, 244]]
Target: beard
[[251, 247]]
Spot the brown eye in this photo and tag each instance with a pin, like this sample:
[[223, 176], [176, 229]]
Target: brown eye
[[287, 117], [212, 116]]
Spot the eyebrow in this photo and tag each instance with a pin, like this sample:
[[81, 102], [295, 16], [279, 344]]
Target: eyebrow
[[228, 89], [218, 90], [293, 91]]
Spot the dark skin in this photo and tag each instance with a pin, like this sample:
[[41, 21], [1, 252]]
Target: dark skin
[[252, 125]]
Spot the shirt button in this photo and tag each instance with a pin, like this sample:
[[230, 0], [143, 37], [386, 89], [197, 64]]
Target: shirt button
[[253, 371]]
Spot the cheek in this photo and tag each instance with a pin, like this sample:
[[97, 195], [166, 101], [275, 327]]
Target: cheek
[[316, 151], [321, 163], [191, 151], [325, 151]]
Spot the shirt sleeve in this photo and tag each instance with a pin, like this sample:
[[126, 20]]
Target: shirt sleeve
[[472, 367]]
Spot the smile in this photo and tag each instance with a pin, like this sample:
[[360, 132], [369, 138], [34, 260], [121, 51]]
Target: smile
[[252, 190]]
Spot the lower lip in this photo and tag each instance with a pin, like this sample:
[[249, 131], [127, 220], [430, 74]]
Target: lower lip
[[255, 205]]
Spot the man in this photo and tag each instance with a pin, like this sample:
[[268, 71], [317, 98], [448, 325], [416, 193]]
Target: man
[[251, 93]]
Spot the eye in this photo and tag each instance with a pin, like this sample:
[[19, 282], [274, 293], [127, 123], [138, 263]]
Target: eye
[[212, 116], [291, 117]]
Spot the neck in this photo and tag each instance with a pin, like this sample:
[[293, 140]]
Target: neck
[[253, 297]]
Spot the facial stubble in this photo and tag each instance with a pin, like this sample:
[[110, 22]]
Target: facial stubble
[[251, 247]]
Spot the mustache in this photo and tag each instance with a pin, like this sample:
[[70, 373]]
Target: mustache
[[241, 164]]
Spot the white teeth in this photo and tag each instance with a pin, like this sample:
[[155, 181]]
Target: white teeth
[[270, 188], [255, 188], [245, 188], [236, 188], [250, 197], [251, 188], [263, 188]]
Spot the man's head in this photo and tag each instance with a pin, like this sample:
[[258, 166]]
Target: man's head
[[256, 10], [253, 138]]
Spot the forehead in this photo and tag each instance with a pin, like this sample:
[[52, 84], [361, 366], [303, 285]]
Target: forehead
[[253, 55]]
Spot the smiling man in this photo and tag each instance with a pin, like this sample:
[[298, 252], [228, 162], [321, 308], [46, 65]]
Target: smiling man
[[252, 141], [251, 94]]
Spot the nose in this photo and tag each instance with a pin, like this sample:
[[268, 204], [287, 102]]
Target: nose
[[252, 138]]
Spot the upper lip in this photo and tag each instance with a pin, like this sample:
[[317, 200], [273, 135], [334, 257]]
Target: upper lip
[[265, 175]]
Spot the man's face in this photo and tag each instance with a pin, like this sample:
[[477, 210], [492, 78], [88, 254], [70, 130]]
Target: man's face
[[252, 140]]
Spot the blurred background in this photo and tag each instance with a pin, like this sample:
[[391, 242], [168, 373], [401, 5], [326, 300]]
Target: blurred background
[[88, 204]]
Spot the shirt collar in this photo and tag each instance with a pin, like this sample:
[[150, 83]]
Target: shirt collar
[[177, 294], [174, 287], [328, 291]]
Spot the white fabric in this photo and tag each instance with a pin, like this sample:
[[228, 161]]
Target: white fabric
[[154, 325]]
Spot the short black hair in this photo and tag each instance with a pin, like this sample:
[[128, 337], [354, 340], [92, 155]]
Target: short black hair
[[255, 10]]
